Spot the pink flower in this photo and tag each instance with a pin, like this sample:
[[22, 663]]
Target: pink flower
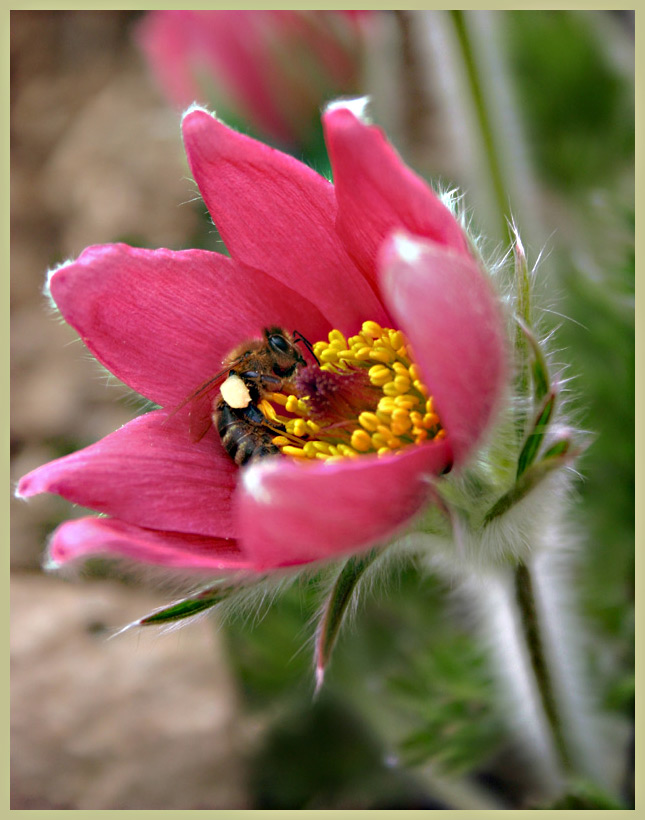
[[275, 69], [376, 246]]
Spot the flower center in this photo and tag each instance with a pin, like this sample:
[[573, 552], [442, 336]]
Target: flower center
[[365, 397]]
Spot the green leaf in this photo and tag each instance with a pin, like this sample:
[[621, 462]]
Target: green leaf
[[449, 693]]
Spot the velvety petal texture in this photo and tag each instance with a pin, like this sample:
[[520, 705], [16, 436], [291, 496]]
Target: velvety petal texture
[[376, 192], [148, 473], [293, 513], [84, 537], [307, 256], [447, 308], [278, 215], [162, 321]]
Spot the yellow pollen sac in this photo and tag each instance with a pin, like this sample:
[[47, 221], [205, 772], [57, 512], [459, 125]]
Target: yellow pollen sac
[[372, 330], [370, 421], [337, 336], [397, 410], [299, 427], [379, 375], [361, 441], [402, 384], [382, 354], [390, 389], [296, 452], [396, 338]]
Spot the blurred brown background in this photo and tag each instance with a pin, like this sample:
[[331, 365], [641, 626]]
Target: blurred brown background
[[138, 721]]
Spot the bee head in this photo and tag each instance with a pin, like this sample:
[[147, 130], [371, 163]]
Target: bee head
[[286, 354]]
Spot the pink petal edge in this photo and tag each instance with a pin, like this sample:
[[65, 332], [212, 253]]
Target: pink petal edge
[[290, 513], [376, 192], [450, 313], [83, 538], [162, 320], [148, 473], [276, 214]]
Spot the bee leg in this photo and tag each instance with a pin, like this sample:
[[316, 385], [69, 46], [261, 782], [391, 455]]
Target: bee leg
[[256, 382]]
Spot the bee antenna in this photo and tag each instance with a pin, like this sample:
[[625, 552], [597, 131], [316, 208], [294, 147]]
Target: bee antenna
[[298, 337]]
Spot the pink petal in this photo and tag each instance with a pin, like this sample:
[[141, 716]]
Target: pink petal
[[165, 39], [162, 321], [85, 537], [291, 513], [235, 46], [447, 308], [150, 474], [377, 192], [277, 215]]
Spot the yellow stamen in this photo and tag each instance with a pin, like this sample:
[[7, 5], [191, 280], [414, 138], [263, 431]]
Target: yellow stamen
[[361, 441], [267, 410], [372, 330], [398, 410], [369, 421], [297, 452]]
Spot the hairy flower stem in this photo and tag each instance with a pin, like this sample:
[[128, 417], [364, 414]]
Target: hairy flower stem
[[529, 617]]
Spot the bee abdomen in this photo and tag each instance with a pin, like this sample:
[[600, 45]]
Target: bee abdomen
[[242, 433]]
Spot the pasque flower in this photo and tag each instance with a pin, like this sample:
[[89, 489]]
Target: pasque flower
[[275, 69], [375, 257]]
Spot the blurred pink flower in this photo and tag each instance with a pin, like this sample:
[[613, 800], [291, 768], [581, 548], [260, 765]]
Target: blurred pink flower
[[275, 69], [377, 245]]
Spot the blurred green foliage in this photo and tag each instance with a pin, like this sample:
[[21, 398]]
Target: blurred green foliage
[[451, 694], [577, 110], [415, 681]]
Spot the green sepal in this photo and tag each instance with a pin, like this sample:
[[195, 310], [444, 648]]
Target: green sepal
[[539, 369], [335, 609], [560, 448], [556, 456], [187, 607], [536, 436]]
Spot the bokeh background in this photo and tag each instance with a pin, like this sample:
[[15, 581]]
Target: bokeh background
[[220, 714]]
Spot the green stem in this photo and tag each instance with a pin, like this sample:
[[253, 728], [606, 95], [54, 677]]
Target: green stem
[[526, 603], [485, 125]]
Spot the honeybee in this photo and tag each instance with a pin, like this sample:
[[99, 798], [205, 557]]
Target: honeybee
[[250, 371]]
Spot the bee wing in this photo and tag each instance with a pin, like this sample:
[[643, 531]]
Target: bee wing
[[204, 389], [200, 416], [201, 401]]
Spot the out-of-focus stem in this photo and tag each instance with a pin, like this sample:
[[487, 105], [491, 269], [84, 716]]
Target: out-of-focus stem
[[485, 124], [529, 619], [415, 103]]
